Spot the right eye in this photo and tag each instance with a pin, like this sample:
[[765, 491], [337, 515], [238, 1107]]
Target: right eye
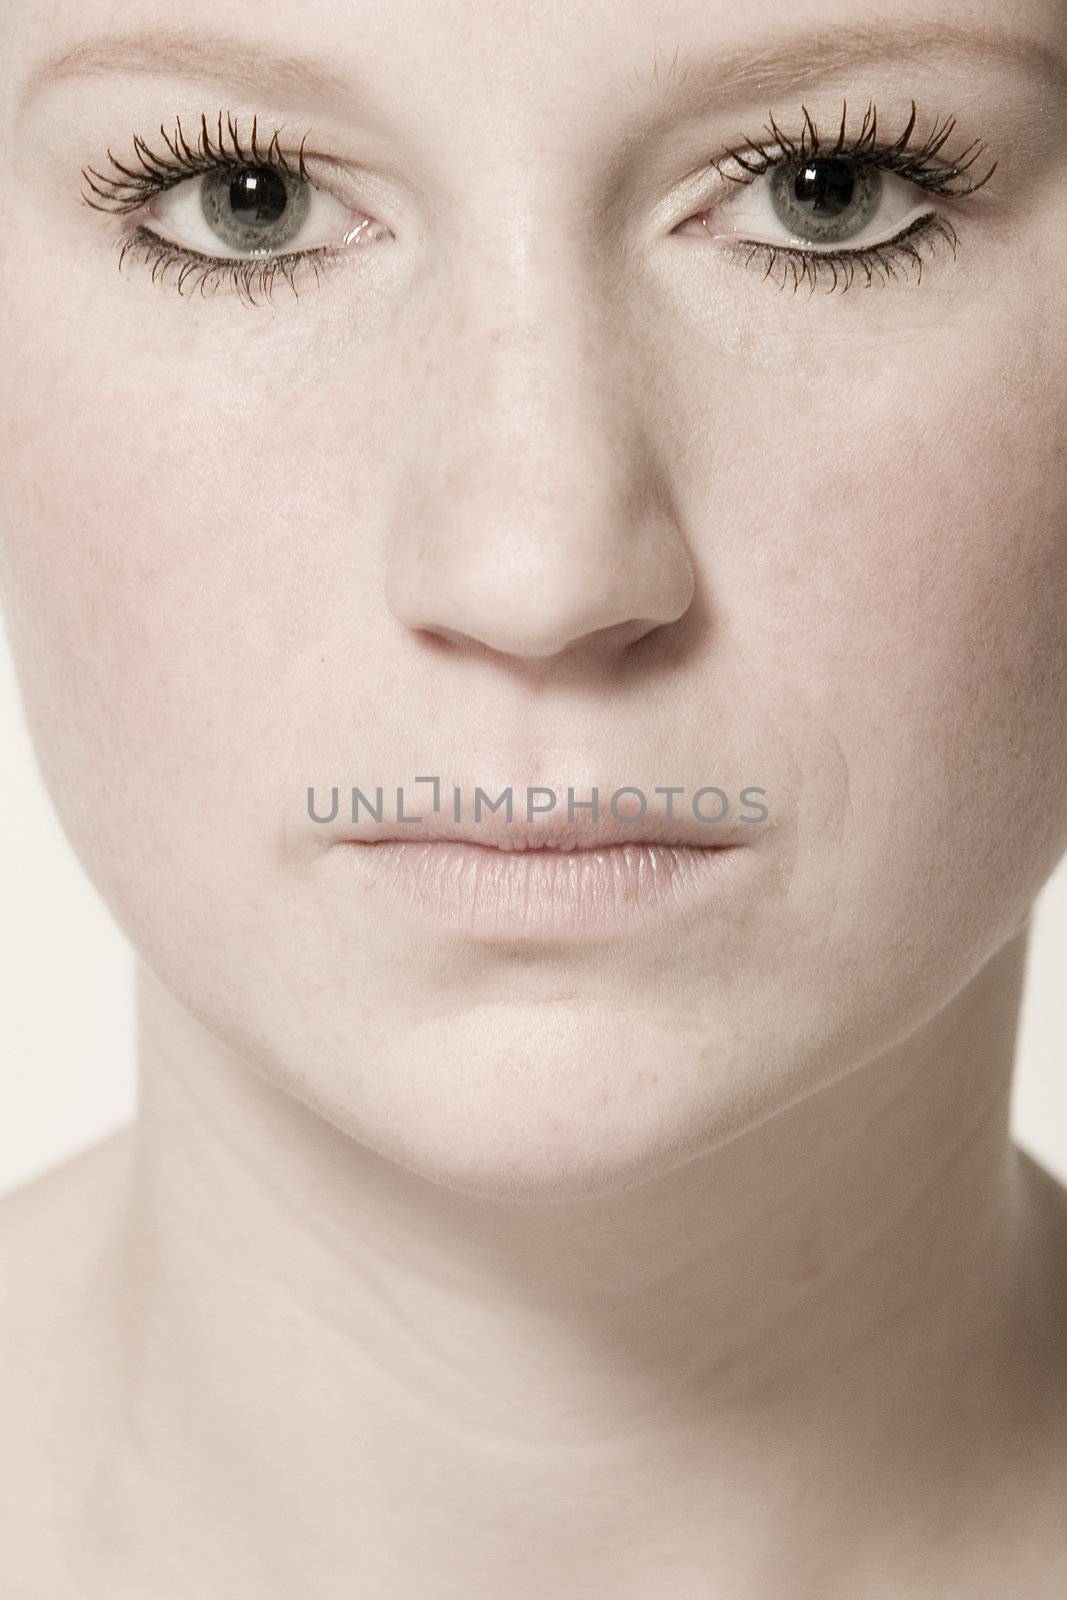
[[249, 211]]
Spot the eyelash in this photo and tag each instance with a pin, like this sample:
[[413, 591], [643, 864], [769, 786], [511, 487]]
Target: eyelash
[[129, 190], [916, 165]]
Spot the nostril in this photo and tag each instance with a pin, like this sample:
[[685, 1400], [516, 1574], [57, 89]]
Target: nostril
[[536, 622], [597, 643]]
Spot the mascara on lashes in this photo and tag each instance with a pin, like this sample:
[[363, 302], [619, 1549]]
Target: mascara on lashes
[[129, 189]]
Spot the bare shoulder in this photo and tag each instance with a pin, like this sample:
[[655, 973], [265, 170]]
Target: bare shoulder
[[50, 1231], [54, 1235], [26, 1210]]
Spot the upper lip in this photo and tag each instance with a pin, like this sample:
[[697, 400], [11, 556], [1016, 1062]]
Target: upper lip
[[553, 830]]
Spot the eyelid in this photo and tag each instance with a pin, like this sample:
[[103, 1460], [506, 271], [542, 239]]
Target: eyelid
[[155, 178], [123, 184], [920, 161], [150, 171], [921, 168]]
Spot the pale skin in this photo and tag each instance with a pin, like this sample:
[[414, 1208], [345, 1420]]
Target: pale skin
[[702, 1266]]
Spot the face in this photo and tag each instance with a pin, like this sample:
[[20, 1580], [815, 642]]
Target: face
[[512, 411]]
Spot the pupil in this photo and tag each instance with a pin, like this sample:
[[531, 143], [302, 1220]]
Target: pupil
[[258, 194], [825, 185]]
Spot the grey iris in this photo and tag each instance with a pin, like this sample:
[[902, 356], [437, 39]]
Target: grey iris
[[258, 210], [825, 200]]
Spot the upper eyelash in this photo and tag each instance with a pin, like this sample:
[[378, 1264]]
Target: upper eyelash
[[130, 189], [916, 165]]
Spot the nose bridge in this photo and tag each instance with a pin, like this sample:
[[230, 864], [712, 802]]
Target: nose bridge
[[535, 426], [533, 363]]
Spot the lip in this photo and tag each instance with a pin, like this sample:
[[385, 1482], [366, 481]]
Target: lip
[[549, 832], [549, 878]]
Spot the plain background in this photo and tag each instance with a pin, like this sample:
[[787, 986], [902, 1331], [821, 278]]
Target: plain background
[[66, 1022]]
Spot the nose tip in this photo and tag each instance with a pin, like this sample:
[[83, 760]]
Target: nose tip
[[588, 554], [504, 588]]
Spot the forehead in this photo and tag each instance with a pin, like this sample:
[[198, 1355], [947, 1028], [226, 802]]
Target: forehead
[[396, 57]]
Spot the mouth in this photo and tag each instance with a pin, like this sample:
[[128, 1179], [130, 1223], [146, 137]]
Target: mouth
[[544, 884]]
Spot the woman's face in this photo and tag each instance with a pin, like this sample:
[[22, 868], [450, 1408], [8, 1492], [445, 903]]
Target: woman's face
[[545, 476]]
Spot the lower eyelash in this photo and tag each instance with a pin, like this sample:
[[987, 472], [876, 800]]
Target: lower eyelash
[[250, 277], [880, 262]]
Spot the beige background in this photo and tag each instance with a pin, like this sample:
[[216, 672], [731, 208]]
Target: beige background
[[66, 1035]]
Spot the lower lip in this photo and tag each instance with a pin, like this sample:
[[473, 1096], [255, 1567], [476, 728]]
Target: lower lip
[[539, 893]]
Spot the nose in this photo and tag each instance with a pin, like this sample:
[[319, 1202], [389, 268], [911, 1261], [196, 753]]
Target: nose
[[533, 515]]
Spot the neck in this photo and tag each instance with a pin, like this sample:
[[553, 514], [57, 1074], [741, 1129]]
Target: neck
[[719, 1363]]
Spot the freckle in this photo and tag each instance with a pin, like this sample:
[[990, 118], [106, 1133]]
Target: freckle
[[806, 1267]]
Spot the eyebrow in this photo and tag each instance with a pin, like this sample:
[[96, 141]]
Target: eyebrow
[[727, 76], [819, 53], [186, 53]]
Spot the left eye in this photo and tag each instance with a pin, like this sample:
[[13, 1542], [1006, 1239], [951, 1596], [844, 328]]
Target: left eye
[[823, 200], [249, 211]]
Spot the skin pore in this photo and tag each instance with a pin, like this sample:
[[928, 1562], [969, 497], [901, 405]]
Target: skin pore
[[696, 1264]]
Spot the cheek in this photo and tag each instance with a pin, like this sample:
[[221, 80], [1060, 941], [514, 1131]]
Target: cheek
[[917, 597], [960, 619], [188, 581], [181, 587]]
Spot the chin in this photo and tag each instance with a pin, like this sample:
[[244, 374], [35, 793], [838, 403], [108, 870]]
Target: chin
[[533, 1103]]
